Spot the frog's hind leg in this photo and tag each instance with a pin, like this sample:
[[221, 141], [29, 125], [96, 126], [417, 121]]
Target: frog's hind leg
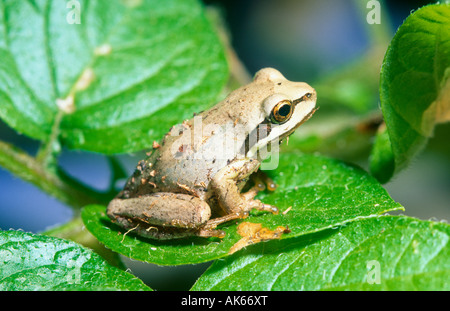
[[163, 216]]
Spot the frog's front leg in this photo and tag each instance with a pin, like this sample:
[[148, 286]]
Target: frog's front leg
[[224, 185], [163, 216]]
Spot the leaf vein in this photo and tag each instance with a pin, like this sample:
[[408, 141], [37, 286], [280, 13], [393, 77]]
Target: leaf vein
[[48, 50]]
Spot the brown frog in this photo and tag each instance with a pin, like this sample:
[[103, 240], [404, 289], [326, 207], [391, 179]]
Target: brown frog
[[192, 180]]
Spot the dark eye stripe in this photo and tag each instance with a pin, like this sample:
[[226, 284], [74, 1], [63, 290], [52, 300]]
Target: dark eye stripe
[[303, 98]]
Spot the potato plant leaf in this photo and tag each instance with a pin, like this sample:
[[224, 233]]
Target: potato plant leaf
[[122, 76], [380, 253], [36, 262], [415, 85], [314, 193]]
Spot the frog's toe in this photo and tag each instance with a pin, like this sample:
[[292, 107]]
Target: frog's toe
[[263, 181], [271, 185], [257, 204], [268, 182], [206, 233]]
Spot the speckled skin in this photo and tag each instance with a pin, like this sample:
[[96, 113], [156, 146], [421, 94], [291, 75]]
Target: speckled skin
[[198, 170]]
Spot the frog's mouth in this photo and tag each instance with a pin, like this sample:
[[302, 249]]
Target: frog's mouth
[[266, 141]]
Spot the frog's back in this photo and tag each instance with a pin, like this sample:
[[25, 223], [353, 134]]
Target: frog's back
[[181, 165], [190, 161], [194, 151]]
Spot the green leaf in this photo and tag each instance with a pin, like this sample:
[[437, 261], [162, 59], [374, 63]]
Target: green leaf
[[132, 69], [38, 262], [381, 253], [415, 84], [74, 230], [322, 192], [382, 162]]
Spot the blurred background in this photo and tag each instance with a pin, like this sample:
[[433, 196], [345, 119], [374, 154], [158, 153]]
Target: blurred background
[[306, 40]]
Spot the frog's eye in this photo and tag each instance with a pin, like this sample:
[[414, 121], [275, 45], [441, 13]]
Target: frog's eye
[[282, 112]]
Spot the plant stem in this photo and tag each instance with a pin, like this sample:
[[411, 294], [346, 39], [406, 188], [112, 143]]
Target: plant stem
[[54, 182], [49, 150], [239, 74]]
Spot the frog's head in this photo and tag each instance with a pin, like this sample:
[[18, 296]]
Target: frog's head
[[285, 109]]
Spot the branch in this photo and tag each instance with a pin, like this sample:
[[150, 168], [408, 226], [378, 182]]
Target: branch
[[57, 184]]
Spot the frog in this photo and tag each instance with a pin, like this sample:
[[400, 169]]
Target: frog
[[197, 177]]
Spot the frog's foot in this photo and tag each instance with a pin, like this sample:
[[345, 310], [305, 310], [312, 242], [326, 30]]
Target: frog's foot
[[257, 204], [208, 229], [213, 223], [263, 180], [207, 233]]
